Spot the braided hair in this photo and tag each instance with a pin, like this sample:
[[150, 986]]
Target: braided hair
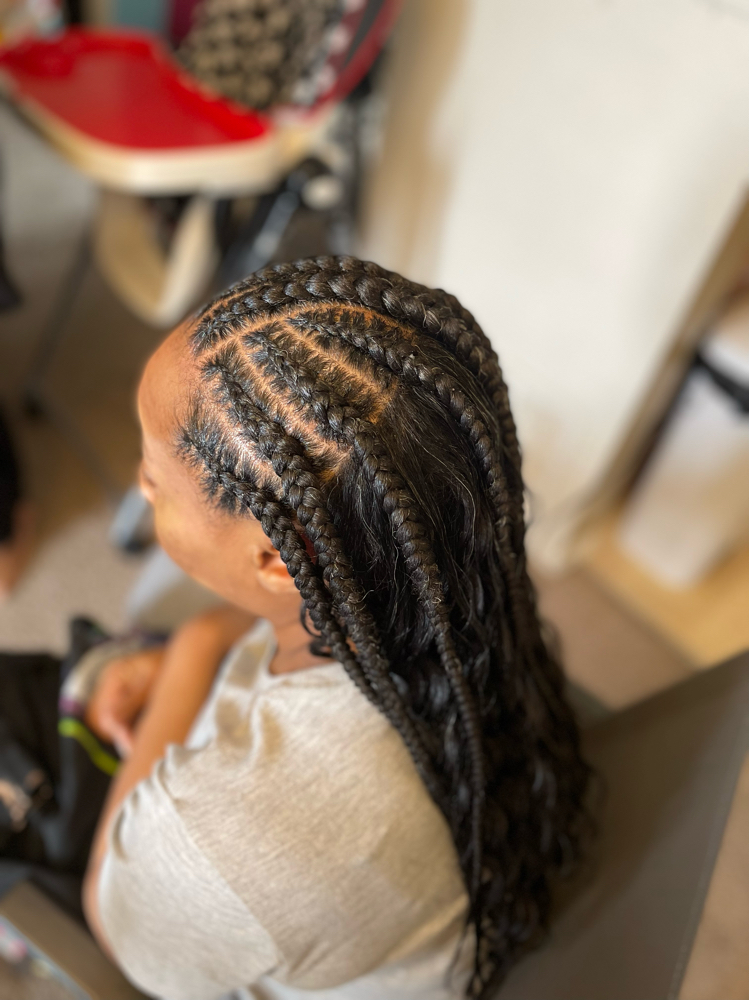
[[364, 421]]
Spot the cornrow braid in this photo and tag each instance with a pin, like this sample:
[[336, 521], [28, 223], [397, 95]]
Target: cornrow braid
[[218, 467], [370, 414], [347, 279]]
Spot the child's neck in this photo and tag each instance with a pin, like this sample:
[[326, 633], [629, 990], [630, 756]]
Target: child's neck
[[292, 651]]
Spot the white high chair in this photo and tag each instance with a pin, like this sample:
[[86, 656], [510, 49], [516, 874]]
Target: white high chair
[[119, 108]]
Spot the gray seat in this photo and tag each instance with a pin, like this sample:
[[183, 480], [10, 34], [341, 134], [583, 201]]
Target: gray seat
[[670, 766], [67, 949]]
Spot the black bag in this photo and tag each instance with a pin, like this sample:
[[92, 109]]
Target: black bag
[[54, 774]]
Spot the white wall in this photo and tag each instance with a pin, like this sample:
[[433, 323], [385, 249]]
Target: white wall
[[567, 169]]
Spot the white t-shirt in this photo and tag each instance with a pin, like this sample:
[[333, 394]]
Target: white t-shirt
[[289, 850]]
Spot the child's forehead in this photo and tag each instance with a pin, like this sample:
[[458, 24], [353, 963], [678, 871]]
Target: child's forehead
[[169, 378]]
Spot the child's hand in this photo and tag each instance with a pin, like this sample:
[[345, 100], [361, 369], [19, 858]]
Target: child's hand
[[120, 694]]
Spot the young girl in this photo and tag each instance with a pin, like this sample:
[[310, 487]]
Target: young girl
[[372, 795]]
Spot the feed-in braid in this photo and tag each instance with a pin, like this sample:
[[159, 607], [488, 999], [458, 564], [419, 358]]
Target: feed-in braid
[[386, 346], [368, 414]]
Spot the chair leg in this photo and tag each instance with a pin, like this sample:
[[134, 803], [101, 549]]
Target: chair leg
[[259, 238], [38, 401]]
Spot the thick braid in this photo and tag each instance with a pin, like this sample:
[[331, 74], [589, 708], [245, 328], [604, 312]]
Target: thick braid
[[301, 492], [343, 422], [442, 316], [385, 346]]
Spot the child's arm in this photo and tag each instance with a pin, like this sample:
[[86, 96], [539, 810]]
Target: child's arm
[[191, 660]]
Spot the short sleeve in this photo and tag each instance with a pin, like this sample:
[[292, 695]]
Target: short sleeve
[[176, 928]]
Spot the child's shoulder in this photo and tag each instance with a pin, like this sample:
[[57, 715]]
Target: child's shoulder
[[305, 792], [307, 741]]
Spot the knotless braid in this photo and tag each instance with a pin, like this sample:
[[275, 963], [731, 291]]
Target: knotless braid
[[370, 414]]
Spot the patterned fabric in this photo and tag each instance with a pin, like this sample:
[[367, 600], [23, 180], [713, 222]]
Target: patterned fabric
[[261, 52]]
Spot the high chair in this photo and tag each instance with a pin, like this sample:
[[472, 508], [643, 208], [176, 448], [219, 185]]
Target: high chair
[[119, 108]]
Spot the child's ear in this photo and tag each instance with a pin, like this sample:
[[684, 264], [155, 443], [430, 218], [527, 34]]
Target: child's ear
[[272, 573]]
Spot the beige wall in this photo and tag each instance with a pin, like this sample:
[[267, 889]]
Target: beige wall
[[567, 170]]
